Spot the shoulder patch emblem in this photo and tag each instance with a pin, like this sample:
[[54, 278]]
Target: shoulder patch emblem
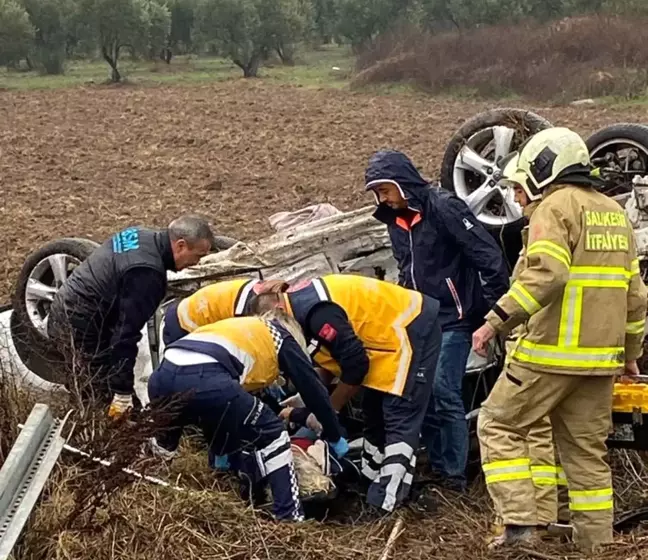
[[468, 224], [328, 332]]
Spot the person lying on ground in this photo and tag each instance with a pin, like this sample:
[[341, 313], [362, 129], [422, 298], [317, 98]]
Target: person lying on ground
[[386, 339], [97, 316], [214, 369], [443, 251]]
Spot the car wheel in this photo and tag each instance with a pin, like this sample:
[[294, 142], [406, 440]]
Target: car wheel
[[472, 168], [621, 153], [42, 275]]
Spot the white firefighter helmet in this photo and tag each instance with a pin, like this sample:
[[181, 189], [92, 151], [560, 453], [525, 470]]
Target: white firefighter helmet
[[511, 174], [546, 157]]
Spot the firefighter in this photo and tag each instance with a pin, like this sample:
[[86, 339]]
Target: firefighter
[[212, 303], [386, 339], [582, 304], [212, 372], [547, 474]]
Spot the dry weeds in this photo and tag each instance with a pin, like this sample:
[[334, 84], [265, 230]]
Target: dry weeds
[[89, 510], [579, 57]]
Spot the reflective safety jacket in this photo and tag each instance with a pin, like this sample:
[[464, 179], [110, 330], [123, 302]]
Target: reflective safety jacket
[[255, 351], [246, 346], [215, 302], [379, 313], [579, 296]]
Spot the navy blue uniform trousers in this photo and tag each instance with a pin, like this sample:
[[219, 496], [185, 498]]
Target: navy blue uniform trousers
[[393, 423], [233, 422]]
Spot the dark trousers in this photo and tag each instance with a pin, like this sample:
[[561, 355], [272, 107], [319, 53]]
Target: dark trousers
[[233, 422], [393, 423], [85, 356]]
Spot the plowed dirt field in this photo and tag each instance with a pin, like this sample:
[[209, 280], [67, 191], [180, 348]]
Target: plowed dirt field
[[87, 161]]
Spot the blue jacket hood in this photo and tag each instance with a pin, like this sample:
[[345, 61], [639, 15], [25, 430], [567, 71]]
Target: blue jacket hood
[[396, 167]]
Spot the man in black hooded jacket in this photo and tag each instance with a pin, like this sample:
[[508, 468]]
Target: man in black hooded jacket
[[443, 251]]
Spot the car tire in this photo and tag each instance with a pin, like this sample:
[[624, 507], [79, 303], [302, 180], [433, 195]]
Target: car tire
[[525, 123], [31, 344], [606, 141]]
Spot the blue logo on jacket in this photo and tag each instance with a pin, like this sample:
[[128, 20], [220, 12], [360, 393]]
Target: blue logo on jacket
[[127, 240]]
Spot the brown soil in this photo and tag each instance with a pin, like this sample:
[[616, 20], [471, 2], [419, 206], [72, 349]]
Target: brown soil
[[87, 161]]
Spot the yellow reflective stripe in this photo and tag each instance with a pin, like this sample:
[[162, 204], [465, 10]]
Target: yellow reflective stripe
[[603, 270], [635, 327], [524, 299], [545, 475], [505, 471], [591, 500], [599, 277], [550, 355], [634, 267], [622, 284], [570, 317], [551, 249]]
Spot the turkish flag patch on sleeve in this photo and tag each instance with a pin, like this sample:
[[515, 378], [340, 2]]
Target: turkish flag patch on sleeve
[[328, 332]]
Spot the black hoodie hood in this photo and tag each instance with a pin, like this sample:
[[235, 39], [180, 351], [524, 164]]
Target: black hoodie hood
[[394, 167]]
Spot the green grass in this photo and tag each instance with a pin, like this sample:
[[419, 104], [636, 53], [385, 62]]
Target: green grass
[[312, 69]]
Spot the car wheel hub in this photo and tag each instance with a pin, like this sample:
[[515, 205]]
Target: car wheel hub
[[477, 175], [45, 279]]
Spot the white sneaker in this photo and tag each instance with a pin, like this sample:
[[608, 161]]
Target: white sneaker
[[158, 451]]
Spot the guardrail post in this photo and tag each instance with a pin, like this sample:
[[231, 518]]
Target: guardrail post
[[25, 472]]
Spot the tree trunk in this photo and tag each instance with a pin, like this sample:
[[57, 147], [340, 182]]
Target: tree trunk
[[111, 59], [168, 55], [28, 61], [286, 55], [251, 67]]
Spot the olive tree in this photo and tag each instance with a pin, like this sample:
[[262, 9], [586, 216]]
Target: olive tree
[[118, 25], [54, 22], [325, 19], [360, 21], [247, 31], [182, 24], [16, 33]]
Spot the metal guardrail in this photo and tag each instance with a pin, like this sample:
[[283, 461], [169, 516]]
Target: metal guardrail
[[25, 472]]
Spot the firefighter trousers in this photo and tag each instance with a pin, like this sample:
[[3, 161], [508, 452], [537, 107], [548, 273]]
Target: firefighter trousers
[[548, 475], [393, 424], [579, 409]]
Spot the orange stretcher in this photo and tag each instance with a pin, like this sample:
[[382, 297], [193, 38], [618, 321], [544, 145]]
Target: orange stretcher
[[630, 415]]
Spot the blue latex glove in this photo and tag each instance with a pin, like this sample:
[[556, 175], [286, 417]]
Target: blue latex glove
[[341, 447], [219, 462]]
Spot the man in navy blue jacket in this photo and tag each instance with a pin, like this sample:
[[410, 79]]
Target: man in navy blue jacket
[[443, 251]]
